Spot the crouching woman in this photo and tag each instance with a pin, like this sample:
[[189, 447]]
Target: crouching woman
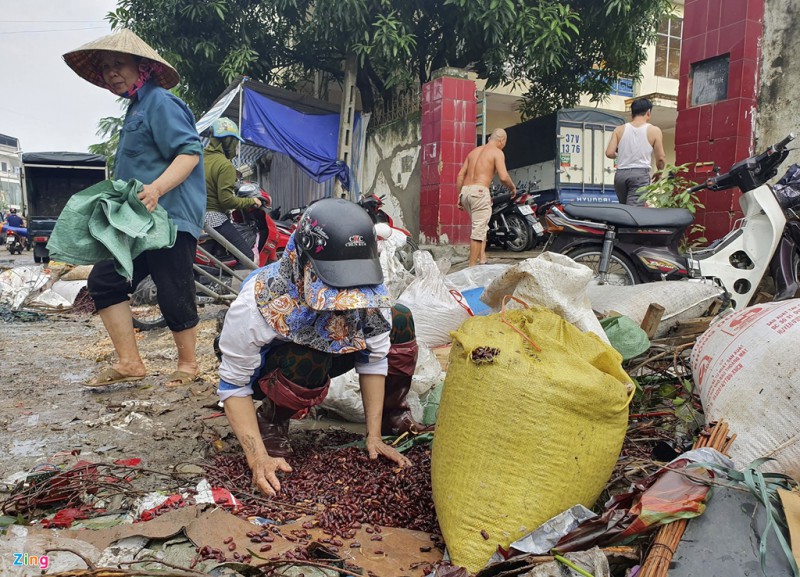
[[318, 312]]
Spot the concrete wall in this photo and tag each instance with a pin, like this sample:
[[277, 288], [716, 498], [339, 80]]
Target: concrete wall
[[392, 169], [779, 92]]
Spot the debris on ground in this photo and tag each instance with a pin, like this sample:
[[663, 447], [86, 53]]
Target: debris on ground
[[86, 502]]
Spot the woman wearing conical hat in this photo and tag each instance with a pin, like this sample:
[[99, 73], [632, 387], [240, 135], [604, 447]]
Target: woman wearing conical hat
[[160, 147]]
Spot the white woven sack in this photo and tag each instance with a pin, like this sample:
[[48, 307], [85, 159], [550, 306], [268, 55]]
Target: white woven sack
[[435, 308], [746, 371], [682, 300], [553, 281]]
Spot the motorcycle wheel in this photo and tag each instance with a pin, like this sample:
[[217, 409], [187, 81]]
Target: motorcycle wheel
[[523, 231], [144, 306], [405, 254], [620, 269]]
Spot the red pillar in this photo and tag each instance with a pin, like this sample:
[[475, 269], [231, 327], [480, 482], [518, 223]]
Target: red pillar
[[448, 135], [721, 132]]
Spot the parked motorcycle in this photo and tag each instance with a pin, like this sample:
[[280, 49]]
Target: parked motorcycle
[[627, 245], [289, 219], [216, 260], [513, 224], [373, 204]]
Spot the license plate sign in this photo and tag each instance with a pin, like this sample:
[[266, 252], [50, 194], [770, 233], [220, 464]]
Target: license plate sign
[[525, 209], [537, 226]]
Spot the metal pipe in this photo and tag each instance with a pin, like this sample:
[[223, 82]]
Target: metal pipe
[[242, 258]]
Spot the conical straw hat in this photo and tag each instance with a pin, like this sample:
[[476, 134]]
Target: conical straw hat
[[85, 61]]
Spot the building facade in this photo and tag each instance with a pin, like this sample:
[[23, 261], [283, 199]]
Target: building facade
[[659, 81], [10, 172], [455, 107]]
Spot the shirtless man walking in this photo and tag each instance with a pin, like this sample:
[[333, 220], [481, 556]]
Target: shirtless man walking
[[473, 183]]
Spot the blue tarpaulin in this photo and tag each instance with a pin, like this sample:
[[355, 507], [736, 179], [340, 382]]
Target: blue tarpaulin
[[309, 139]]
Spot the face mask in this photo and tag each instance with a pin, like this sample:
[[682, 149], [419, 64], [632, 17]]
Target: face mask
[[229, 146]]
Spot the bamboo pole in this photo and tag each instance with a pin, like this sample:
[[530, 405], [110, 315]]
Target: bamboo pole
[[669, 536]]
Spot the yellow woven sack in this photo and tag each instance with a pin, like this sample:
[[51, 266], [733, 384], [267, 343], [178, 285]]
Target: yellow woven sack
[[523, 434]]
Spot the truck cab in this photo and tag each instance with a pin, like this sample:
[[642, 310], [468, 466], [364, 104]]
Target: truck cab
[[49, 179]]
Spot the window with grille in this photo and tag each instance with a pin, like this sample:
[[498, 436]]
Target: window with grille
[[668, 47]]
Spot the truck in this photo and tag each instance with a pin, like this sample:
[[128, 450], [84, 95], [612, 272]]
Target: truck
[[49, 179], [561, 156]]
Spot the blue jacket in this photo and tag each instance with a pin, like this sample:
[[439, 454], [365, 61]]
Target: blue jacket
[[158, 127]]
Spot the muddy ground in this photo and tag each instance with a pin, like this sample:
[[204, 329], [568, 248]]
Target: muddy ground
[[49, 416], [47, 411]]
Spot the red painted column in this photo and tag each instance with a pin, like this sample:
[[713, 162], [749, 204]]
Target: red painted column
[[448, 135], [721, 132]]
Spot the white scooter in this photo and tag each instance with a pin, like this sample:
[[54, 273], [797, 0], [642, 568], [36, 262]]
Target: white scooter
[[628, 245]]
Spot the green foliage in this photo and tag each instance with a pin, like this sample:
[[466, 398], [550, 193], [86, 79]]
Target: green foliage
[[671, 190], [108, 128], [554, 50]]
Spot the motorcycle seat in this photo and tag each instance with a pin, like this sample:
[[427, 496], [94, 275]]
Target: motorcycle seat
[[287, 224], [624, 215], [501, 198]]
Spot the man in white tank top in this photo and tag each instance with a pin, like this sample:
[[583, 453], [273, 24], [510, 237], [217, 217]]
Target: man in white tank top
[[633, 144]]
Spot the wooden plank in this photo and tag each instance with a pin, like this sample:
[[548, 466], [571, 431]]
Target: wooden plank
[[761, 297], [715, 307], [652, 319], [691, 327]]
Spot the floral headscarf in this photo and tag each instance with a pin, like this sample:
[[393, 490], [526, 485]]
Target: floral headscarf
[[298, 306]]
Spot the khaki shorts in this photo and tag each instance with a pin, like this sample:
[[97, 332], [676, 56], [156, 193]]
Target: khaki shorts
[[477, 201]]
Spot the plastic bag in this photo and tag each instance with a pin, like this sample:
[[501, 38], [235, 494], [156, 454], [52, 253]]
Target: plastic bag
[[344, 392], [665, 496], [437, 308], [395, 276], [626, 336], [787, 189], [472, 281], [476, 276]]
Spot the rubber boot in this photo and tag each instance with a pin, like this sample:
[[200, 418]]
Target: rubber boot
[[273, 424], [397, 417]]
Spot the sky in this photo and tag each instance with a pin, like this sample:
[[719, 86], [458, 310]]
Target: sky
[[43, 103]]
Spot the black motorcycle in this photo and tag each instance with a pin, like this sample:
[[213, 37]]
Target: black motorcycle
[[626, 245], [514, 224]]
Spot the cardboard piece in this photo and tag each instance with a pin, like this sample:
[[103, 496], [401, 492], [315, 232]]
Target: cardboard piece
[[163, 527], [401, 547], [791, 508]]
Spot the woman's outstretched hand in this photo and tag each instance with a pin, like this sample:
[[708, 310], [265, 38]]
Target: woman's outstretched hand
[[376, 446], [264, 470]]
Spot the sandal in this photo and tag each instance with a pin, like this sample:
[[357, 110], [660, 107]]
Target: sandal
[[109, 376], [180, 378]]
